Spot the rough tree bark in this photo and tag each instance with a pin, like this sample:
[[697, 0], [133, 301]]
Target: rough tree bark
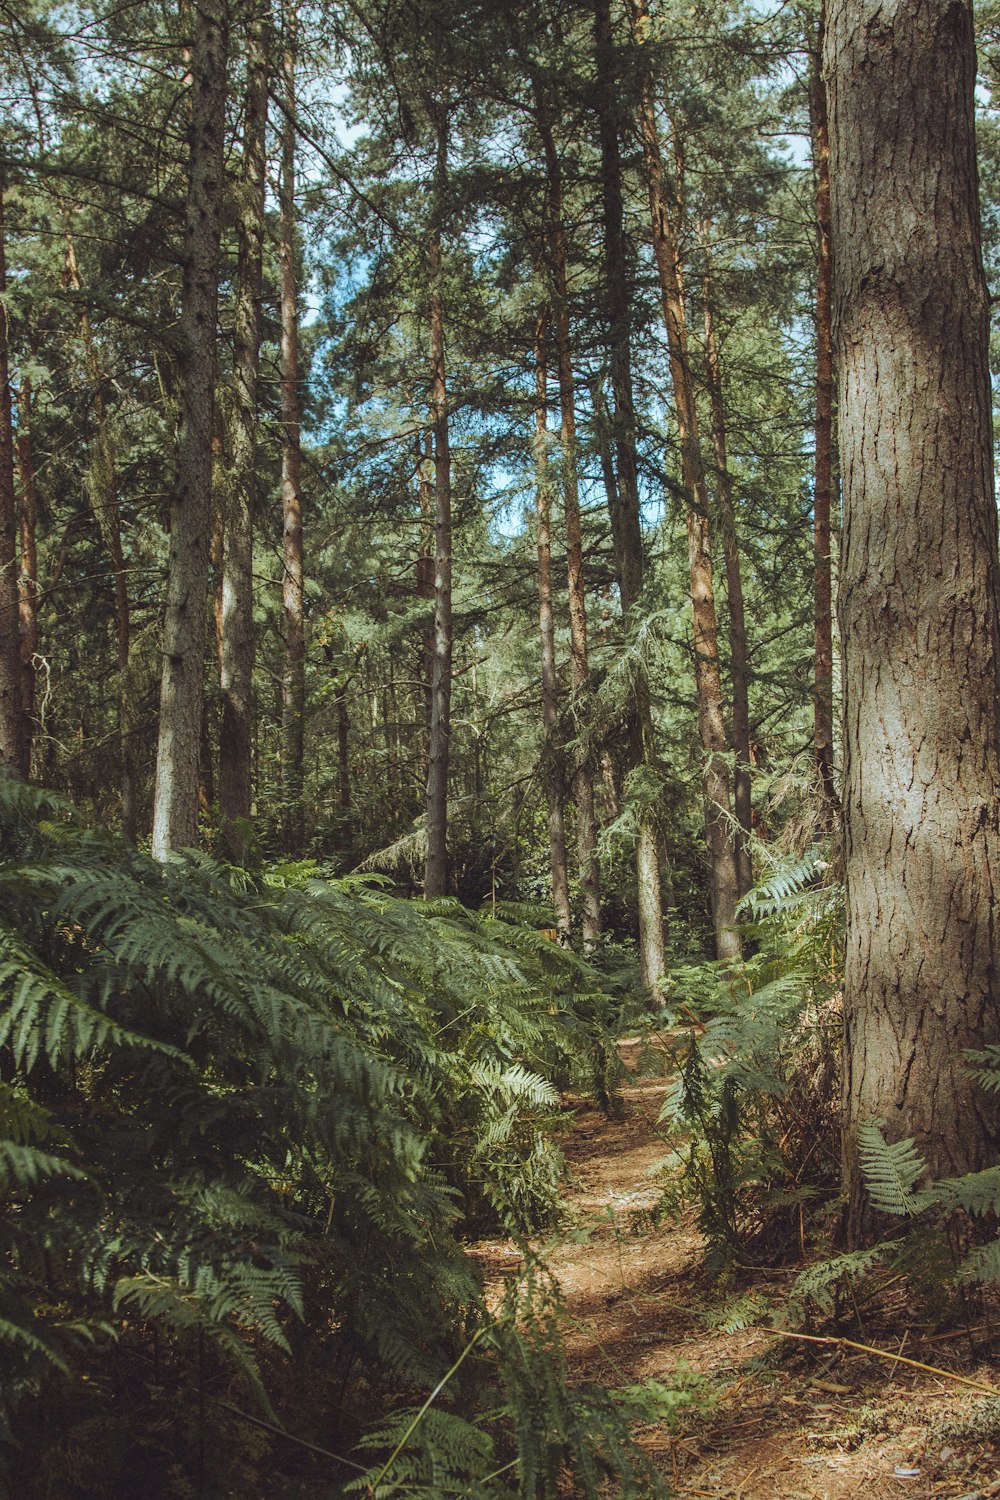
[[583, 785], [708, 677], [236, 644], [175, 802], [919, 586], [293, 691], [823, 480], [546, 622], [439, 739]]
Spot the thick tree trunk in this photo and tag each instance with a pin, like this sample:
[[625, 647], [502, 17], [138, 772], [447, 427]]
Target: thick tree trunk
[[236, 657], [583, 785], [439, 744], [551, 757], [175, 804], [823, 481], [13, 736], [734, 589], [107, 513], [708, 677], [919, 586], [624, 497], [28, 581], [293, 695]]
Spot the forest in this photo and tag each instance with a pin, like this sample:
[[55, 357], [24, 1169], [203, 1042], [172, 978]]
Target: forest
[[499, 749]]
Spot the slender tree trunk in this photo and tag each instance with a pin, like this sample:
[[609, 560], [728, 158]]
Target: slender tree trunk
[[439, 747], [237, 635], [13, 736], [344, 750], [920, 583], [28, 591], [175, 804], [823, 484], [627, 526], [107, 513], [551, 757], [293, 699], [583, 786], [734, 588], [708, 677], [425, 586]]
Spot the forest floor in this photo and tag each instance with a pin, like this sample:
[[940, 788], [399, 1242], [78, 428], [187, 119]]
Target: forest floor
[[796, 1422]]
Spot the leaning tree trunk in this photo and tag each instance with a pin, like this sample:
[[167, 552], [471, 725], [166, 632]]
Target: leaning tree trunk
[[823, 482], [236, 654], [175, 804], [919, 586], [293, 689], [13, 738], [551, 757], [439, 739]]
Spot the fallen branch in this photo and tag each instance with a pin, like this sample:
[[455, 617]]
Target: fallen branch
[[900, 1359]]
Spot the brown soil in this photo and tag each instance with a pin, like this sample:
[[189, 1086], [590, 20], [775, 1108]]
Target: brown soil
[[792, 1422]]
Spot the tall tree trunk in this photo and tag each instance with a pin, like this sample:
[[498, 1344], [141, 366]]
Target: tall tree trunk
[[625, 518], [237, 632], [425, 585], [708, 677], [175, 803], [107, 513], [920, 583], [439, 745], [13, 736], [293, 698], [551, 757], [734, 588], [28, 591], [583, 786], [823, 482]]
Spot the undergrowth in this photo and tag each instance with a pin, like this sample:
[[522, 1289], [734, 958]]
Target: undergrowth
[[244, 1124]]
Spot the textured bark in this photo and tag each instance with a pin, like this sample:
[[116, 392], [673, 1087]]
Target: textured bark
[[236, 655], [293, 691], [28, 578], [583, 784], [726, 513], [919, 585], [13, 740], [175, 804], [823, 482], [551, 758], [708, 677], [439, 740], [107, 513]]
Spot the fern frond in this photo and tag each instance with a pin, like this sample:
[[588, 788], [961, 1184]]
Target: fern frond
[[890, 1171]]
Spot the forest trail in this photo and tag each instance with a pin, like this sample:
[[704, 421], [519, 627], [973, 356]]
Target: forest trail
[[807, 1427]]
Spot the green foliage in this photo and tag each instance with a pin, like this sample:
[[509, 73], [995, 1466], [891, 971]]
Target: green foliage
[[890, 1172], [246, 1114], [751, 1108]]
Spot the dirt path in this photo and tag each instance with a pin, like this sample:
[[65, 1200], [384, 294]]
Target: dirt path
[[784, 1424]]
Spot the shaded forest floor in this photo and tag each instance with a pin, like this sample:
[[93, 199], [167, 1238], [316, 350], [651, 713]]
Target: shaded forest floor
[[784, 1421]]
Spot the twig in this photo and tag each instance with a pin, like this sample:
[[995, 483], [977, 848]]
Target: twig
[[914, 1364]]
